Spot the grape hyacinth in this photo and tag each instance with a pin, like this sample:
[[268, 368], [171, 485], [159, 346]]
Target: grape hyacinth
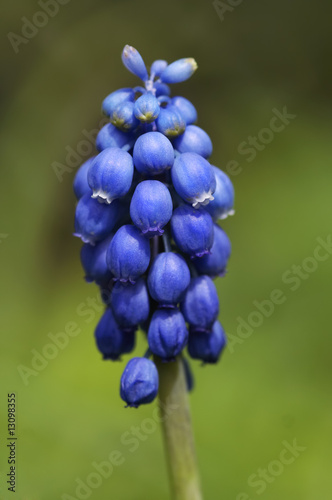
[[148, 207]]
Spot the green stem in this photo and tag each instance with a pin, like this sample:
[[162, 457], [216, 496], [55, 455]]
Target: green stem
[[177, 431]]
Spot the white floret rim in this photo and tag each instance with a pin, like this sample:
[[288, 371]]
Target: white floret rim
[[102, 197], [202, 199]]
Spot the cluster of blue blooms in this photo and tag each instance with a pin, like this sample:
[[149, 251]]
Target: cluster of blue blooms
[[147, 212]]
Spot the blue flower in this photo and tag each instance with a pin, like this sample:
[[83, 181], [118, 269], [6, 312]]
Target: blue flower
[[214, 264], [133, 61], [111, 174], [80, 183], [170, 121], [162, 89], [111, 137], [223, 202], [111, 341], [130, 303], [123, 117], [151, 207], [167, 334], [200, 306], [193, 179], [168, 278], [93, 259], [194, 140], [153, 153], [179, 71], [207, 346], [192, 230], [94, 221], [139, 382], [146, 108], [157, 67], [115, 98], [187, 110], [128, 255]]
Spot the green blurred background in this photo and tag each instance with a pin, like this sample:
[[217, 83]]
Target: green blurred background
[[271, 387]]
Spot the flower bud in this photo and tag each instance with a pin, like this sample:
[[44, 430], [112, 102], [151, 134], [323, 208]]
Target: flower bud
[[192, 230], [93, 259], [168, 278], [151, 207], [194, 140], [214, 264], [146, 108], [179, 71], [158, 67], [139, 382], [80, 184], [133, 61], [130, 303], [200, 306], [193, 179], [110, 340], [167, 334], [162, 89], [170, 121], [153, 153], [222, 204], [111, 174], [128, 255], [94, 221], [115, 98], [207, 346], [187, 110], [123, 117], [111, 137]]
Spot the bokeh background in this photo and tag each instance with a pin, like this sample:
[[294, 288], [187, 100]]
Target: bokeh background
[[271, 387]]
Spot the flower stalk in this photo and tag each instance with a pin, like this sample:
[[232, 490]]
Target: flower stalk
[[177, 431]]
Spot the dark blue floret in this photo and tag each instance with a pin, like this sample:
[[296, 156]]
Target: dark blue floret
[[94, 221], [153, 153], [170, 122], [139, 382], [194, 140], [130, 303], [110, 175], [192, 230], [167, 334], [207, 346], [168, 279], [80, 184], [223, 202], [93, 259], [115, 98], [128, 255], [111, 341], [214, 264], [193, 179], [200, 306], [151, 207], [111, 137]]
